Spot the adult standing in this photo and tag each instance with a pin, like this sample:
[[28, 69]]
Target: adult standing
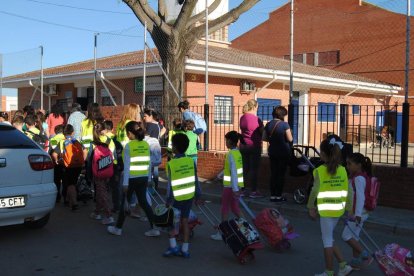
[[132, 112], [277, 132], [55, 118], [251, 147], [94, 116], [75, 119], [152, 126]]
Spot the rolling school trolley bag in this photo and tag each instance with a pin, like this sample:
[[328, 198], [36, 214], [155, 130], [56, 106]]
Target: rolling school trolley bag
[[237, 234], [393, 259], [273, 226]]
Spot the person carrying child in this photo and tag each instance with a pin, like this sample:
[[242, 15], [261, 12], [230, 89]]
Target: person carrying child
[[183, 187], [136, 157], [330, 190], [360, 171], [232, 179]]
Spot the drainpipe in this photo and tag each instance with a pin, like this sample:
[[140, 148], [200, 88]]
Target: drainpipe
[[266, 85], [339, 109]]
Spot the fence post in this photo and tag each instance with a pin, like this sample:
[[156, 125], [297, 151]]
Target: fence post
[[404, 138], [290, 116], [206, 118]]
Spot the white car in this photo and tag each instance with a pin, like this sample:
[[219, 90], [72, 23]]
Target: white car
[[27, 190]]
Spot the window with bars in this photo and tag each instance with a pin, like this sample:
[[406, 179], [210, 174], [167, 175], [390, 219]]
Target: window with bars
[[223, 110], [326, 112]]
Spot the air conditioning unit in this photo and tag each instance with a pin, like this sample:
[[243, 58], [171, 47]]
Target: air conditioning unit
[[247, 87], [51, 90]]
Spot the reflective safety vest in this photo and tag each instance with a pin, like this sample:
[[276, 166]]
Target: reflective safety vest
[[182, 178], [139, 158], [54, 141], [31, 132], [121, 134], [239, 166], [87, 133], [333, 192], [111, 146]]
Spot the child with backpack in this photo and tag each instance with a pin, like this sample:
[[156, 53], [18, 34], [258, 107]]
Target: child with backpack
[[136, 157], [114, 182], [183, 187], [58, 169], [69, 153], [331, 191], [101, 160], [34, 133], [360, 171], [232, 179]]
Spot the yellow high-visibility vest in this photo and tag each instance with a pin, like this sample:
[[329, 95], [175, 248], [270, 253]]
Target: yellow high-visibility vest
[[239, 166], [139, 158], [333, 191], [182, 178]]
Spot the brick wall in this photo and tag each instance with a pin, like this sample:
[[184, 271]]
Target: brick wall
[[397, 188]]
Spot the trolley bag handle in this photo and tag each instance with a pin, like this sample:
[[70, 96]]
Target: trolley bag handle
[[364, 244], [247, 208], [209, 214]]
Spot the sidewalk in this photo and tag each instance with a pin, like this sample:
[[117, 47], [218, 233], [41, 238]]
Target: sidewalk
[[397, 221]]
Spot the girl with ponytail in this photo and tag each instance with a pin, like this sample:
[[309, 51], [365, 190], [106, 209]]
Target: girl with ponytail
[[330, 191], [360, 171]]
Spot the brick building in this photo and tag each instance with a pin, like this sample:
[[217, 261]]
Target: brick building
[[350, 36], [234, 77]]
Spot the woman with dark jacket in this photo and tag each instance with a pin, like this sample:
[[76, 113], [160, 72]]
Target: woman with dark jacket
[[277, 132]]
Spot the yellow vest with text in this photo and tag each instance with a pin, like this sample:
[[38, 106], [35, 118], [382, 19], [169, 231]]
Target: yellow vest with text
[[121, 134], [54, 141], [239, 166], [333, 192], [87, 133], [182, 178], [139, 158]]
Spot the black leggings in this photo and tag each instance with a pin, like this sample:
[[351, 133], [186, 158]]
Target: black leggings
[[278, 168], [139, 186]]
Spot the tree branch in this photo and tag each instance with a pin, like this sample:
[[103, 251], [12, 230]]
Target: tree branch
[[202, 14], [162, 10], [184, 15], [225, 19]]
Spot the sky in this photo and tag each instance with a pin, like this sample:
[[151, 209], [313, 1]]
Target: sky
[[66, 28]]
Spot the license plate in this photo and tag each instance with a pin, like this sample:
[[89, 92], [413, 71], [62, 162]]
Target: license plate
[[12, 202]]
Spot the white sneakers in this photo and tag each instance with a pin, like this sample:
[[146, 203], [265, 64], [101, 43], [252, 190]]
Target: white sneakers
[[106, 221], [153, 233], [217, 237], [114, 230], [347, 269]]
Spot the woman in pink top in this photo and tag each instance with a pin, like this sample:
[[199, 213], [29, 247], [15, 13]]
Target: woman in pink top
[[55, 118], [251, 148]]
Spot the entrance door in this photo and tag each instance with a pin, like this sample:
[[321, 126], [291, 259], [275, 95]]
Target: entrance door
[[393, 120]]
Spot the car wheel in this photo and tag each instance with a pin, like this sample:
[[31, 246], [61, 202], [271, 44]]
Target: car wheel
[[38, 223]]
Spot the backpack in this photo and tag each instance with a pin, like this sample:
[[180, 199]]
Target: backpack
[[72, 154], [199, 121], [102, 162], [40, 139], [371, 191]]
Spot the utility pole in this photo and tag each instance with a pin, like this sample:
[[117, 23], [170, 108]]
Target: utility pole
[[41, 77], [406, 104], [290, 106], [95, 44], [206, 105], [144, 77]]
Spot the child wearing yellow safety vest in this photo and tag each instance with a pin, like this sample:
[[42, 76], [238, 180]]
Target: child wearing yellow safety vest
[[333, 197], [182, 188], [94, 116], [58, 169], [232, 179], [136, 157]]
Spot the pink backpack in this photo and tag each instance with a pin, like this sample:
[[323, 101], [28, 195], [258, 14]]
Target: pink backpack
[[102, 162], [371, 191]]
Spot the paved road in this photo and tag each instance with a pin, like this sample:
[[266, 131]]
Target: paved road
[[73, 244]]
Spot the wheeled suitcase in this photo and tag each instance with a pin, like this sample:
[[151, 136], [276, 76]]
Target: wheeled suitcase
[[237, 234]]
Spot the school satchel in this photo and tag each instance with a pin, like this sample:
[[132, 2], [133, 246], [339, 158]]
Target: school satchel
[[163, 216], [72, 154], [102, 162]]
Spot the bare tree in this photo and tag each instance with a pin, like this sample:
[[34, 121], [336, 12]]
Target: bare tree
[[175, 39]]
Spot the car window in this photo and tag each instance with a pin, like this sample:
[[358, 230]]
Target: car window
[[12, 138]]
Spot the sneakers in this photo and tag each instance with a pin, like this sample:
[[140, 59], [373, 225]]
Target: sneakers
[[217, 237], [114, 230], [172, 251], [95, 216], [347, 269], [356, 264], [185, 255], [153, 233], [256, 195], [108, 220], [278, 199]]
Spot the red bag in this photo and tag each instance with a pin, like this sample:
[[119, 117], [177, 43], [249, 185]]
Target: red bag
[[102, 162], [371, 191], [269, 222]]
